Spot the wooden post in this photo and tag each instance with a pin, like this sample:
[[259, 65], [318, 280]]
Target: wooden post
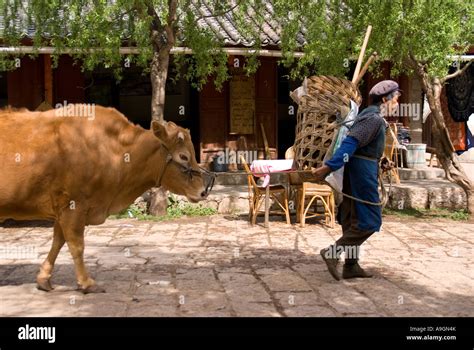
[[366, 66], [267, 206], [48, 80], [362, 52]]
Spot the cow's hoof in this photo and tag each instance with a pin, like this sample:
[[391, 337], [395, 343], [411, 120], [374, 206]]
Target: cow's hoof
[[44, 285], [93, 289]]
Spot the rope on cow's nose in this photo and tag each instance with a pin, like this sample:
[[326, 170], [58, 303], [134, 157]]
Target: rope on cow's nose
[[212, 175], [187, 170], [211, 183]]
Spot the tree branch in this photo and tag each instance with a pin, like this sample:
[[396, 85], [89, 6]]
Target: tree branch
[[420, 70], [121, 15], [156, 27], [455, 74], [171, 27], [156, 23], [172, 6]]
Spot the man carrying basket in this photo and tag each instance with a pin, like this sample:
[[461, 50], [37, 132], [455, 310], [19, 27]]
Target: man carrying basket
[[360, 153]]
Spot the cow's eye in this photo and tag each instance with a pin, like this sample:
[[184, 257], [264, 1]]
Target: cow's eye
[[183, 158]]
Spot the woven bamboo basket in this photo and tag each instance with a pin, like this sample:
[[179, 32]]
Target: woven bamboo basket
[[322, 106]]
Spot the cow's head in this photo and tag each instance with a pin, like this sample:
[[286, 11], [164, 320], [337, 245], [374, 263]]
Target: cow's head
[[182, 174]]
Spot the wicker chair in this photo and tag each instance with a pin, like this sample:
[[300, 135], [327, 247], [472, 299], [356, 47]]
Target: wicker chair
[[302, 191], [308, 194], [278, 193]]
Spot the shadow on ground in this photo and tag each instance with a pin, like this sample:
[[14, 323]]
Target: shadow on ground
[[220, 278]]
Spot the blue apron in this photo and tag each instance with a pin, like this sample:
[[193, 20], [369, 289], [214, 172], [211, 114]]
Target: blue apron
[[363, 176]]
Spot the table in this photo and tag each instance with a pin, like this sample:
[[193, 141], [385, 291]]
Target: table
[[264, 168]]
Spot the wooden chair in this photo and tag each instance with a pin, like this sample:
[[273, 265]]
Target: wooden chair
[[313, 192], [278, 193], [391, 149], [310, 193]]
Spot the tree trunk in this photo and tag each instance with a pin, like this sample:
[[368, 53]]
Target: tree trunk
[[444, 148], [158, 76], [158, 202], [163, 37]]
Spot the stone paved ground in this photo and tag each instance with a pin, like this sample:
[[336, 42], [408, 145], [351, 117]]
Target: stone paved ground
[[220, 266]]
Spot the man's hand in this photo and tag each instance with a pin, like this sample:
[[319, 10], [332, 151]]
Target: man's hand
[[321, 172], [386, 164]]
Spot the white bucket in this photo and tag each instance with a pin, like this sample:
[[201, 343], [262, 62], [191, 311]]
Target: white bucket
[[416, 157]]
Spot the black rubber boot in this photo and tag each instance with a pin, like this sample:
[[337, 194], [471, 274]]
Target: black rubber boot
[[354, 271], [331, 262]]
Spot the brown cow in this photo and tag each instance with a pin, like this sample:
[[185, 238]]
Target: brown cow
[[77, 171]]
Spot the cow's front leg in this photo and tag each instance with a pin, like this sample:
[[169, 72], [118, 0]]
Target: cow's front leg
[[44, 276], [73, 225]]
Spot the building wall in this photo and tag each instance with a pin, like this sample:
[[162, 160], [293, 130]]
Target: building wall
[[266, 104], [213, 120], [214, 112], [3, 89], [287, 110], [68, 82], [26, 83]]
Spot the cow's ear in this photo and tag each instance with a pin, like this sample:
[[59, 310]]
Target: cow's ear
[[162, 132]]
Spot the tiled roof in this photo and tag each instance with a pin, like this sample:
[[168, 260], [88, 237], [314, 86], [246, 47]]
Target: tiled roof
[[224, 27]]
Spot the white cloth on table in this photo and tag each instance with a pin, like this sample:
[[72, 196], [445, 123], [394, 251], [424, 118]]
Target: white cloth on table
[[263, 168]]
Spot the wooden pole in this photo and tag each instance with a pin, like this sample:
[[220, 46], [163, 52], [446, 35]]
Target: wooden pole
[[366, 66], [265, 142], [362, 52]]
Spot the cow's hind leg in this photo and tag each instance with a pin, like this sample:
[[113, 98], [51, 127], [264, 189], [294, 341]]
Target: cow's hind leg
[[44, 276], [73, 229]]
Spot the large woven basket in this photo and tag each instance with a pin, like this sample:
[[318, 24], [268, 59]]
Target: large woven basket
[[323, 102]]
